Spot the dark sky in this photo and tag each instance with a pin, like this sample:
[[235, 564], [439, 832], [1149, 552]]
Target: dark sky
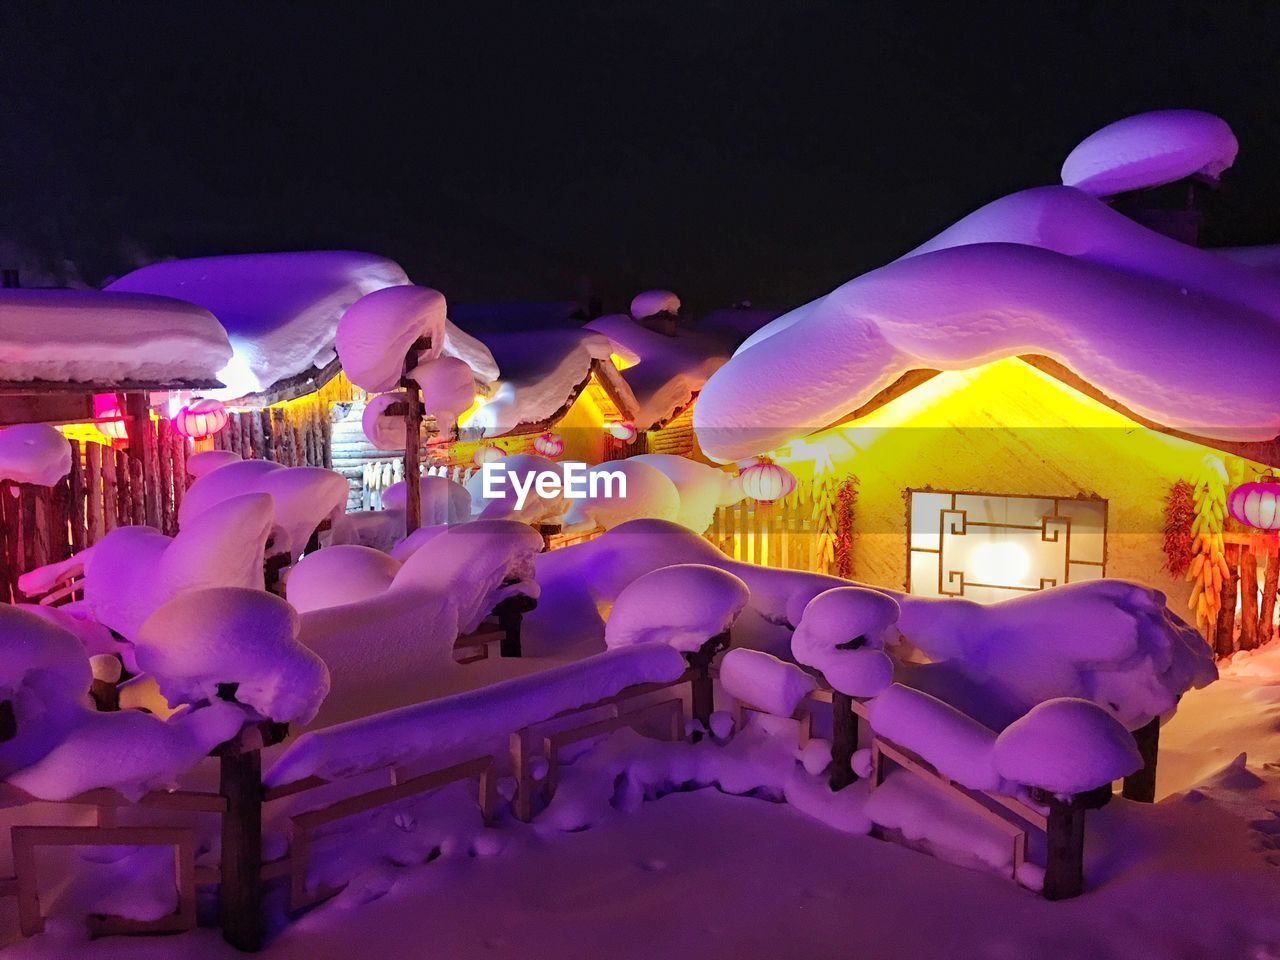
[[727, 150]]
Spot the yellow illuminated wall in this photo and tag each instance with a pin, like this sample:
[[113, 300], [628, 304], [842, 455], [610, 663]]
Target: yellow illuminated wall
[[1007, 428]]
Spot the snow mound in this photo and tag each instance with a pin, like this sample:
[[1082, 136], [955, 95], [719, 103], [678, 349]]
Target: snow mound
[[1040, 272], [207, 461], [764, 681], [133, 570], [443, 500], [37, 652], [477, 564], [303, 497], [476, 719], [649, 493], [702, 488], [90, 336], [448, 388], [129, 751], [204, 639], [94, 638], [280, 310], [519, 468], [1066, 746], [385, 431], [1109, 641], [34, 453], [843, 633], [1150, 149], [651, 302], [956, 745], [682, 606], [339, 574], [376, 332]]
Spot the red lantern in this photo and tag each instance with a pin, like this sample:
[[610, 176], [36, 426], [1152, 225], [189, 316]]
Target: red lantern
[[1257, 504], [487, 454], [200, 419], [623, 430], [549, 445], [766, 482]]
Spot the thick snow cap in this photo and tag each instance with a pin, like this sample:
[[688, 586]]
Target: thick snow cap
[[345, 573], [1150, 149], [34, 453], [650, 493], [765, 682], [232, 635], [1044, 271], [35, 650], [385, 431], [280, 310], [652, 302], [1066, 746], [682, 606], [843, 633], [92, 336], [207, 461]]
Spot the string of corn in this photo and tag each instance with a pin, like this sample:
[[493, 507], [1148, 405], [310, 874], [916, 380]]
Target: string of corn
[[1208, 570]]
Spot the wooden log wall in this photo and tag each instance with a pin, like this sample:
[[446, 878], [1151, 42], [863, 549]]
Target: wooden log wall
[[1247, 619], [781, 534], [104, 490], [295, 435]]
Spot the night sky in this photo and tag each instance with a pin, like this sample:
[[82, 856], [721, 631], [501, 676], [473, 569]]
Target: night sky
[[766, 151]]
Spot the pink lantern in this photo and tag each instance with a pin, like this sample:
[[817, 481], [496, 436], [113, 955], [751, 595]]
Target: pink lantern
[[200, 419], [623, 430], [549, 445], [1257, 504], [766, 482], [487, 454]]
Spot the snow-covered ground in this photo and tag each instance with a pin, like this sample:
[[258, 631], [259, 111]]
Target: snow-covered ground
[[706, 874]]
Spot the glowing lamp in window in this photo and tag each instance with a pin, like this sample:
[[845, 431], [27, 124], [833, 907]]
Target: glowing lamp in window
[[765, 481], [623, 430], [1257, 504], [200, 419], [549, 445], [487, 454]]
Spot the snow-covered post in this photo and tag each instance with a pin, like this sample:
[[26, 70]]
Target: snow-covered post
[[842, 633], [511, 613], [702, 692], [1067, 752], [412, 436], [1141, 786], [240, 889]]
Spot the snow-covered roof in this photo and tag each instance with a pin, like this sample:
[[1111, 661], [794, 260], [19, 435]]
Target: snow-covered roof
[[665, 372], [1150, 149], [1050, 271], [280, 310], [107, 339], [541, 371]]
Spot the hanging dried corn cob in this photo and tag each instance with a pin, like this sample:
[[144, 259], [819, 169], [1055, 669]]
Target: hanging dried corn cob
[[1208, 570]]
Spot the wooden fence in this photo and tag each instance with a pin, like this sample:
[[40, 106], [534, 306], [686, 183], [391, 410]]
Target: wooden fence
[[781, 534], [296, 435], [105, 489]]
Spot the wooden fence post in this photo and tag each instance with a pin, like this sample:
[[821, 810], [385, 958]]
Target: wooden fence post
[[1141, 786], [511, 613], [1064, 861], [412, 437], [702, 698], [240, 890], [844, 740]]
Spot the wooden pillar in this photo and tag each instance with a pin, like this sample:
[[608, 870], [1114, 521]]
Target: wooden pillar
[[1270, 584], [1225, 639], [1248, 599], [511, 613], [844, 740], [1064, 864], [412, 437], [1141, 786], [240, 891], [8, 721], [703, 702]]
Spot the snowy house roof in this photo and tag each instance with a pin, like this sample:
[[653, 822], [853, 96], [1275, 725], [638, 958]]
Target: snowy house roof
[[1149, 150], [541, 373], [108, 339], [280, 310], [1051, 273], [665, 373]]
